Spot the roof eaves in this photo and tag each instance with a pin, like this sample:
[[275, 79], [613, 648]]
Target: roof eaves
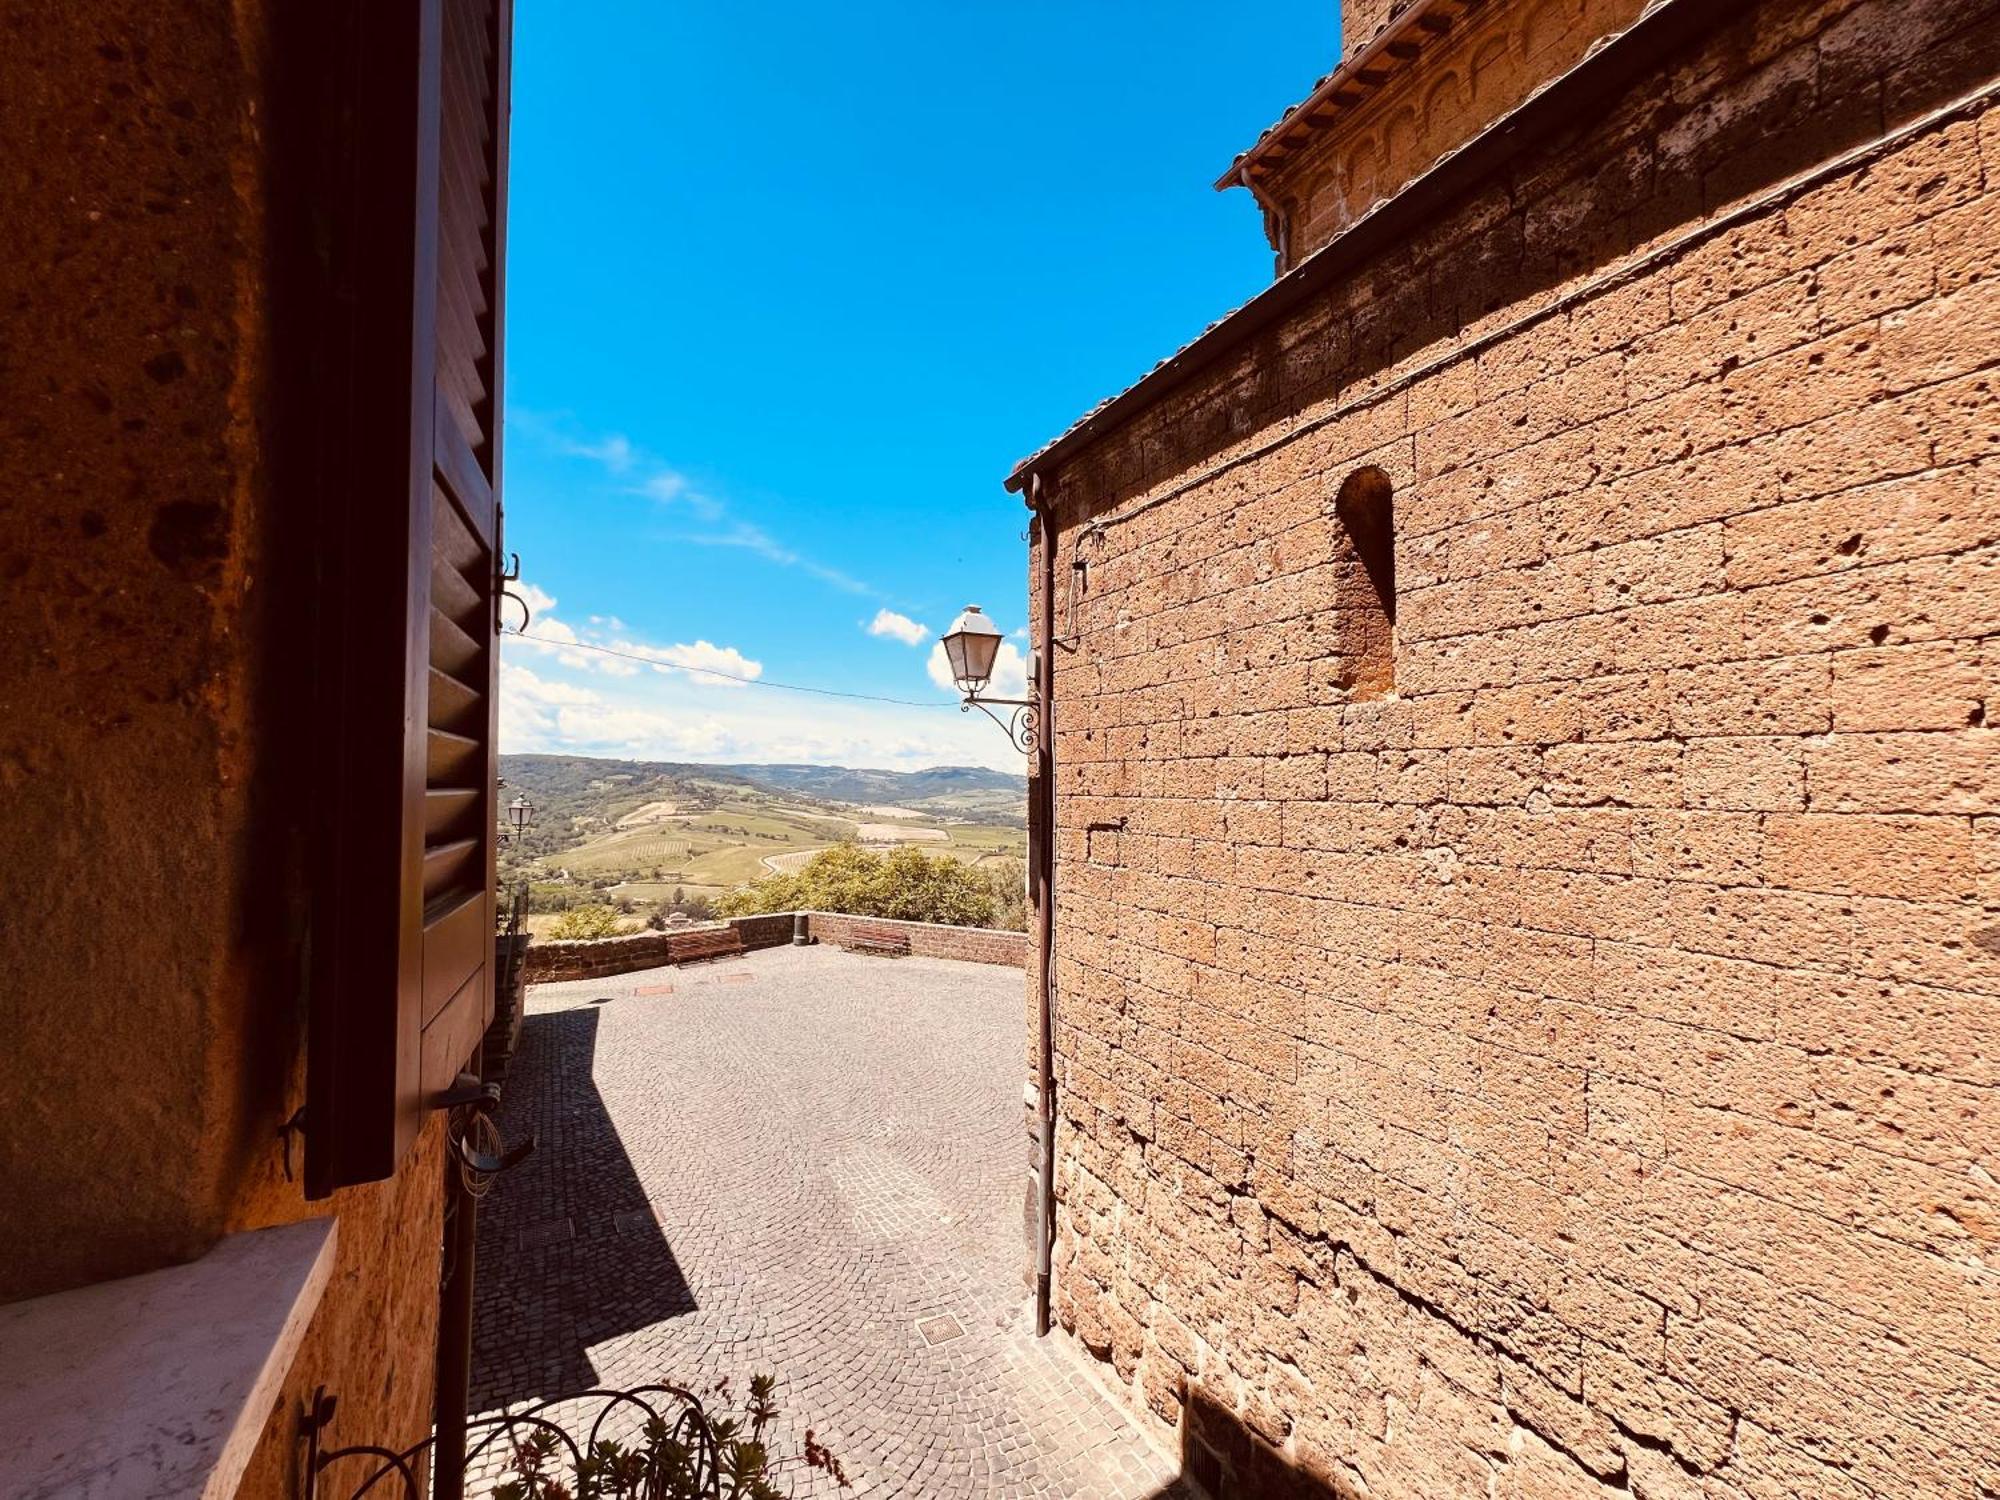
[[1350, 84]]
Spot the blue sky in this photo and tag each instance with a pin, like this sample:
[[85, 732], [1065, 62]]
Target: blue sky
[[791, 287]]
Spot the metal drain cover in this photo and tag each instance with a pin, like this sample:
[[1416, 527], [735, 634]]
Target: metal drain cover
[[549, 1232], [941, 1329]]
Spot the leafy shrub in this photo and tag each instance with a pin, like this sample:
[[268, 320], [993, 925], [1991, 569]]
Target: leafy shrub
[[1008, 881], [906, 884], [587, 922], [548, 895], [662, 1465]]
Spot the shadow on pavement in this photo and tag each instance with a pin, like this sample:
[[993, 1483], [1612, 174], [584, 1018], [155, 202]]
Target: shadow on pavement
[[569, 1251]]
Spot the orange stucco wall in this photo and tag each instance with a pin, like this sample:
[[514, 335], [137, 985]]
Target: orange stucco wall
[[151, 1022]]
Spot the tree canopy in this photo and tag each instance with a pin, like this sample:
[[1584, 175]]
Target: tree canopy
[[588, 922], [906, 884]]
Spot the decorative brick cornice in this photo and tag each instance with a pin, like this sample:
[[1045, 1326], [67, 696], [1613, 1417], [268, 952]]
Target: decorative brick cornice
[[1440, 73], [1347, 87]]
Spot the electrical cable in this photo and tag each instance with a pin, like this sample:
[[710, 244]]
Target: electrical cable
[[654, 661]]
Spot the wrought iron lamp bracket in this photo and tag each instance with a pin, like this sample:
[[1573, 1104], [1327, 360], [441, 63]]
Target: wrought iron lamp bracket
[[1023, 726]]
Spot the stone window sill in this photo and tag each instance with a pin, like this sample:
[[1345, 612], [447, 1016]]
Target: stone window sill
[[157, 1385]]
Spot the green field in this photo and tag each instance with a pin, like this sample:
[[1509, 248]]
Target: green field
[[636, 833], [722, 847]]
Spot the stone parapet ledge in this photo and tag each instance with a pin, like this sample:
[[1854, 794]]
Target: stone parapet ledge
[[157, 1385], [979, 945], [597, 958]]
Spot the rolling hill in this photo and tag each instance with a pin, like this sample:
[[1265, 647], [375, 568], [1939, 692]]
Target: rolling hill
[[638, 832]]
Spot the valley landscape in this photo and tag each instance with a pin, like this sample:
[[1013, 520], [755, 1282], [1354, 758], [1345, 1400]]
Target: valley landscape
[[651, 837]]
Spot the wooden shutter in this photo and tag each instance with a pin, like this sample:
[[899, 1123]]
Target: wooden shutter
[[403, 909]]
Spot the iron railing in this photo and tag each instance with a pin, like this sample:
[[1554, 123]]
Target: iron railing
[[653, 1442]]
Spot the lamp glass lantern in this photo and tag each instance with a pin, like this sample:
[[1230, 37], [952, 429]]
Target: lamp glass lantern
[[520, 812], [971, 646]]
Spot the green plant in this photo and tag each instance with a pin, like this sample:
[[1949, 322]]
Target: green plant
[[663, 1464], [587, 922], [1007, 879], [906, 884]]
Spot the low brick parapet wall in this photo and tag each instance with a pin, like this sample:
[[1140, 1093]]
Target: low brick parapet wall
[[596, 958], [979, 945], [773, 931], [593, 958]]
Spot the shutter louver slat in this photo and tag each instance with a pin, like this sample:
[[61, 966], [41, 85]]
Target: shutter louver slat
[[451, 758], [449, 812], [452, 593], [453, 650], [455, 706]]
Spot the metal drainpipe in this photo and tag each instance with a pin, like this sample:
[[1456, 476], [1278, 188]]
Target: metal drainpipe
[[454, 1373], [472, 1104], [1044, 864]]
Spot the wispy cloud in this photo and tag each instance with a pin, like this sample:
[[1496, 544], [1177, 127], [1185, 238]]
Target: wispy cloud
[[615, 453], [670, 487], [753, 538], [898, 627], [643, 474]]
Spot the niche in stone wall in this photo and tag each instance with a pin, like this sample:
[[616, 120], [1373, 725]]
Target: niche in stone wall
[[1364, 604]]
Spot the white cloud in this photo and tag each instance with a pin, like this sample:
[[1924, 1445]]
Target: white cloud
[[901, 627], [722, 665], [550, 636], [1010, 672], [674, 718], [540, 601]]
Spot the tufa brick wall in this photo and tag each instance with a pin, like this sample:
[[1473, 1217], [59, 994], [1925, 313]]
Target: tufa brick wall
[[1570, 1072]]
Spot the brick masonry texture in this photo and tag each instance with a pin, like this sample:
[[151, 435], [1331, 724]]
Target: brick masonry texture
[[1570, 1073], [980, 945], [795, 1162], [598, 957]]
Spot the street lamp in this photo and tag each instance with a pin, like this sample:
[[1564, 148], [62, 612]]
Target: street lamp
[[971, 646], [520, 812]]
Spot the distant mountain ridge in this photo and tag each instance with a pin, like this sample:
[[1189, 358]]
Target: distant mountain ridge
[[566, 787], [844, 784], [828, 783]]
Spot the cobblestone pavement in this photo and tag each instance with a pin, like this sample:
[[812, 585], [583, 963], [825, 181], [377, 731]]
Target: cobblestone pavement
[[807, 1163]]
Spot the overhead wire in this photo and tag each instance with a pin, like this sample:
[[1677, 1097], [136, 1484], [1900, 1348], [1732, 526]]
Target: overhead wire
[[676, 666]]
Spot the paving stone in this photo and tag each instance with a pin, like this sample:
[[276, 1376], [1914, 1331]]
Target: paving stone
[[808, 1165]]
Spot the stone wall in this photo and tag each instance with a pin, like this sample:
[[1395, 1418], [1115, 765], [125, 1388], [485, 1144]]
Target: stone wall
[[979, 945], [764, 932], [1570, 1071], [549, 962], [593, 958], [133, 381]]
